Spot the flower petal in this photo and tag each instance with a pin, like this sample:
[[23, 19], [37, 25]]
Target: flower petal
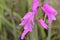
[[43, 24], [28, 15], [45, 11], [49, 9], [35, 6], [24, 33], [51, 18], [28, 26], [23, 23]]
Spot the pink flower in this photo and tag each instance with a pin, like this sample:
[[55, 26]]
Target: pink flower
[[27, 28], [27, 22], [35, 6], [43, 24], [49, 11], [29, 17], [24, 33]]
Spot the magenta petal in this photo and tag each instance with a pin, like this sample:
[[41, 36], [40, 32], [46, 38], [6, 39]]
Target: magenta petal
[[49, 9], [35, 6], [28, 15], [23, 23], [51, 18], [28, 26], [44, 10], [44, 25], [24, 33]]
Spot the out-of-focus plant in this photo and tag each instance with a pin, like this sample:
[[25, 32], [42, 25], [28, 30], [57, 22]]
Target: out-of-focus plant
[[11, 13]]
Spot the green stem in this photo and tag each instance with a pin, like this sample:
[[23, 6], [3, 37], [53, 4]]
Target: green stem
[[34, 34], [49, 32], [43, 33], [45, 18], [5, 34], [42, 30]]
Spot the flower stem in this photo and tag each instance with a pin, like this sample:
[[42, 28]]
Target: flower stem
[[49, 32], [4, 34], [34, 34], [45, 17], [42, 30]]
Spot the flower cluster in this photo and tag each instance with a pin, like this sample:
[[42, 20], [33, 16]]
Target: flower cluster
[[27, 22], [28, 19]]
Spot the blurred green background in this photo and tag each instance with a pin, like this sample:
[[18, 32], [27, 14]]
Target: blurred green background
[[11, 13]]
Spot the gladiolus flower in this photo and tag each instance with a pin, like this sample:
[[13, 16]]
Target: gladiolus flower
[[49, 11], [28, 19], [27, 22]]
